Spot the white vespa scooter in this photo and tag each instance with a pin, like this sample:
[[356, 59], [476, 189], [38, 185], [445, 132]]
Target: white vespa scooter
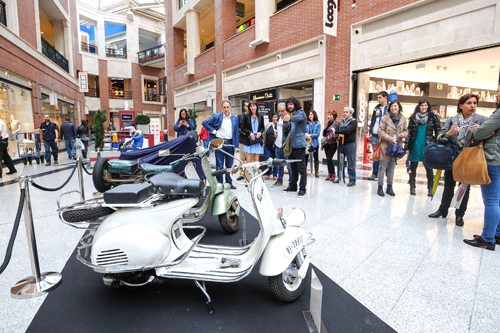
[[133, 247]]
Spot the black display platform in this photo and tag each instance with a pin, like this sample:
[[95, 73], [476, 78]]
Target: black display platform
[[82, 303]]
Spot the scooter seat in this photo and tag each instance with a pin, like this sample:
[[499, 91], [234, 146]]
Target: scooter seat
[[128, 194], [151, 168], [175, 185]]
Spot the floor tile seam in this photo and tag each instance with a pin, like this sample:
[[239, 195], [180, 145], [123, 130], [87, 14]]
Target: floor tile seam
[[409, 281], [476, 291]]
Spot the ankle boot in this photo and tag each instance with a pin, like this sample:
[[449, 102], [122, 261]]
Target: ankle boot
[[412, 188], [390, 191], [333, 177], [316, 169], [380, 191], [329, 176]]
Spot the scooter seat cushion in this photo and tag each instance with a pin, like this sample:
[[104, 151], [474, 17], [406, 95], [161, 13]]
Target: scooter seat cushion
[[122, 167], [175, 185], [149, 168], [128, 194]]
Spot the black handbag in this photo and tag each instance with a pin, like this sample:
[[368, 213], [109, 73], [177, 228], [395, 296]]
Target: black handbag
[[256, 140], [440, 155]]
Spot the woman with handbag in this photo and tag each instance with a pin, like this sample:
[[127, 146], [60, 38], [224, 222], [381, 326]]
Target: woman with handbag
[[392, 130], [458, 130], [313, 129], [253, 127], [184, 123], [423, 129], [489, 131], [329, 143], [82, 132]]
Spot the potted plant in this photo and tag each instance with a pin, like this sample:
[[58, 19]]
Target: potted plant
[[193, 115], [142, 123], [99, 120]]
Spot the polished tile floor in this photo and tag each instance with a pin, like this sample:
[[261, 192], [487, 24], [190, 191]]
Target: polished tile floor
[[412, 271]]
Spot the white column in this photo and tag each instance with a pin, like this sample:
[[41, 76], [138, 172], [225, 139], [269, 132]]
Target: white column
[[68, 51], [193, 38], [100, 38], [132, 41], [263, 11]]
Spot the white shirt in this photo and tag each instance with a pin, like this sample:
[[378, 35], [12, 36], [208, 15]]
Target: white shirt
[[3, 128], [279, 138], [226, 129]]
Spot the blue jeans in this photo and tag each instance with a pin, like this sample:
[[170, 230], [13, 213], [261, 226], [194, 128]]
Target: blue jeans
[[268, 153], [491, 199], [48, 145], [205, 143], [375, 163], [350, 154], [278, 153], [220, 158], [70, 144]]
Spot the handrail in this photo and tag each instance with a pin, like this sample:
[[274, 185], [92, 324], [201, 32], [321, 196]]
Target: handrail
[[93, 92], [116, 53], [120, 94], [88, 48], [55, 56], [151, 53]]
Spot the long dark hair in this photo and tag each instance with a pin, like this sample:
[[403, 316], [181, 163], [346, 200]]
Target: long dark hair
[[315, 118], [296, 103], [399, 105], [180, 115], [84, 123], [257, 114], [464, 99], [417, 108]]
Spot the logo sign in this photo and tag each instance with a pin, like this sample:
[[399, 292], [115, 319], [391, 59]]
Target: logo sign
[[161, 83], [336, 97], [439, 86], [264, 95], [83, 79], [330, 17]]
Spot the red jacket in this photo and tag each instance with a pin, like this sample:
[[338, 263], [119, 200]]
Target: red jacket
[[203, 134]]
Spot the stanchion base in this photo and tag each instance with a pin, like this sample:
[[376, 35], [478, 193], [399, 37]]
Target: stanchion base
[[29, 287], [311, 325]]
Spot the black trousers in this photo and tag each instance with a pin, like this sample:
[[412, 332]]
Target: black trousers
[[315, 156], [449, 191], [330, 151], [4, 156], [428, 172], [298, 168]]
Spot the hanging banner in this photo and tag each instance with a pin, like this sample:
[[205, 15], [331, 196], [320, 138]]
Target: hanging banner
[[330, 17], [84, 82], [161, 84]]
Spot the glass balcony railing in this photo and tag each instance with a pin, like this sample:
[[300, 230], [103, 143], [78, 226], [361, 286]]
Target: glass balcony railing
[[92, 93], [50, 52], [88, 48], [152, 53], [151, 97], [120, 94]]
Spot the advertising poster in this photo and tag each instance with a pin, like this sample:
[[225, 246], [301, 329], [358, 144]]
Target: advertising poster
[[266, 109]]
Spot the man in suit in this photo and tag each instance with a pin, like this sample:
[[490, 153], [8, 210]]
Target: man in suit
[[225, 126]]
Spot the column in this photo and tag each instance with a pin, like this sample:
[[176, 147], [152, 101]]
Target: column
[[193, 39], [263, 11]]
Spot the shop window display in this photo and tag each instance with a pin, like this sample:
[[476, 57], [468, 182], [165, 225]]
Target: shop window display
[[17, 113], [57, 114]]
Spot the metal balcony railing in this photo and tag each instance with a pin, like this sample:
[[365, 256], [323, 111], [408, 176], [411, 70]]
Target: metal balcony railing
[[152, 53], [120, 94], [50, 52], [92, 93], [151, 97], [89, 48], [3, 13], [116, 53]]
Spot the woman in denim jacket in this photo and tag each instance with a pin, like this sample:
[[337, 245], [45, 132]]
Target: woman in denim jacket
[[313, 129]]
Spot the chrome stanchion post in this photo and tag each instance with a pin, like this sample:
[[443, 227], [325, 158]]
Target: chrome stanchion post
[[80, 177], [40, 283]]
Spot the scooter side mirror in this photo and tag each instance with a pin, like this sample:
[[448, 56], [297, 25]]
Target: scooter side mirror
[[216, 143]]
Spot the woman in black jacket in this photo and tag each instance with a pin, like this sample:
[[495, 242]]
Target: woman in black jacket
[[82, 132], [423, 129]]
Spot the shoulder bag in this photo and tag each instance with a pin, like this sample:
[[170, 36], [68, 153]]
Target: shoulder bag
[[193, 134], [287, 146], [440, 155], [378, 147], [470, 166]]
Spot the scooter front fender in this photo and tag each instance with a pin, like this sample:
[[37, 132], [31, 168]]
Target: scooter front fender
[[281, 250], [222, 202]]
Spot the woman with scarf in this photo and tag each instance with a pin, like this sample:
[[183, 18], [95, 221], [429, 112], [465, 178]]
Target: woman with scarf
[[330, 144], [423, 129], [393, 129], [459, 130], [313, 129]]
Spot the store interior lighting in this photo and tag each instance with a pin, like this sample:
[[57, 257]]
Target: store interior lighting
[[86, 109]]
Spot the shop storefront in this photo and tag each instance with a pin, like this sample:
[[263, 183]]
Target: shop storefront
[[16, 111], [58, 113]]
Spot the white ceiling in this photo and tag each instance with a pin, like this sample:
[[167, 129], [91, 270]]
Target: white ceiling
[[459, 70]]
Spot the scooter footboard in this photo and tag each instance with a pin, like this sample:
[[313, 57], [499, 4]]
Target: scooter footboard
[[281, 250]]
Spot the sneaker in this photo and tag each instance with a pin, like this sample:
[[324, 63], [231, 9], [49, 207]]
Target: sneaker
[[56, 162], [479, 242], [372, 177], [289, 190], [302, 193], [240, 178], [47, 164], [277, 184], [266, 177], [275, 178]]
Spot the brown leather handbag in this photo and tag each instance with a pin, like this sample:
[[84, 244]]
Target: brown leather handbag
[[470, 166], [376, 151]]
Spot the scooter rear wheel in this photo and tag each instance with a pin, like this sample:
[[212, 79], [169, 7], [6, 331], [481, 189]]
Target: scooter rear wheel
[[229, 221], [288, 287]]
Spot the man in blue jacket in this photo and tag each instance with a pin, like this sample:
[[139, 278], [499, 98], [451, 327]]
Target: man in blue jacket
[[224, 125], [379, 111], [298, 119], [68, 134]]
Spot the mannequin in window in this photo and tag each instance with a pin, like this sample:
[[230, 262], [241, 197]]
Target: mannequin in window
[[15, 127]]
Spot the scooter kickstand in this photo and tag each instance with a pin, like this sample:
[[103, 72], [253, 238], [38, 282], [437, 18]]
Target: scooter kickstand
[[204, 290]]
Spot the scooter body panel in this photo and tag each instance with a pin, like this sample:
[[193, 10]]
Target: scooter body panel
[[222, 201], [281, 250]]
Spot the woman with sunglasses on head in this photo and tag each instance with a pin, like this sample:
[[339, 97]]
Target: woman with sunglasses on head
[[393, 129], [423, 129], [313, 129], [253, 126], [459, 130]]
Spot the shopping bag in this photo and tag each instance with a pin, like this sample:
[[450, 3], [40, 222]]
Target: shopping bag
[[459, 195]]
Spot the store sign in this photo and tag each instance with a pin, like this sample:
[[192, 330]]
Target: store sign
[[330, 17], [83, 79], [154, 128], [264, 95], [439, 86], [266, 110], [336, 97], [161, 83]]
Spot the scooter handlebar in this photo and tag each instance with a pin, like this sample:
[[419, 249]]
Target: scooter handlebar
[[277, 162], [220, 172]]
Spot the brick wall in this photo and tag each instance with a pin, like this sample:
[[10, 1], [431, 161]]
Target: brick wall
[[204, 66], [137, 90], [103, 85], [27, 25]]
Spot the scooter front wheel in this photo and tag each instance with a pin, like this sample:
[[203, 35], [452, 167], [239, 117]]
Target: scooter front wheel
[[288, 286], [230, 221]]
